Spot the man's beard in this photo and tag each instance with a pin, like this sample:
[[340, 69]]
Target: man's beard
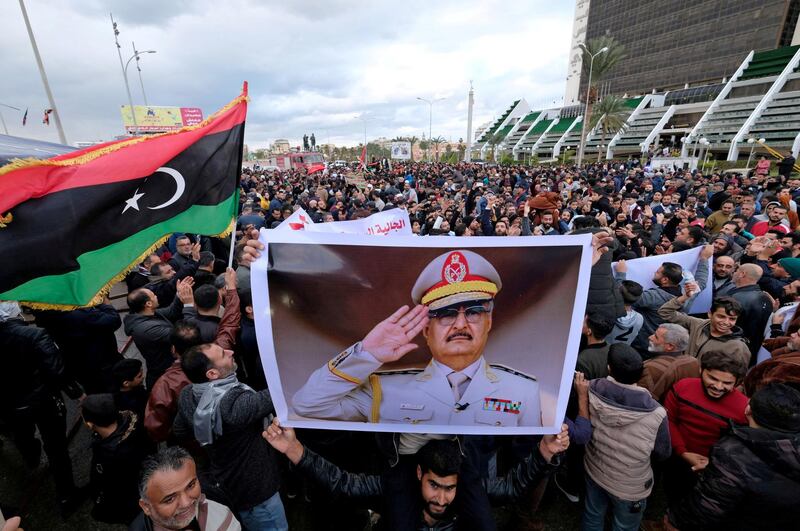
[[651, 347], [174, 522], [444, 515]]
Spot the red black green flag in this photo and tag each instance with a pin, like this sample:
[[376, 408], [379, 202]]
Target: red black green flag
[[75, 224]]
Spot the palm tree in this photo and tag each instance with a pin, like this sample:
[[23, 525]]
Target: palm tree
[[609, 118], [425, 145], [493, 142], [601, 66], [437, 141]]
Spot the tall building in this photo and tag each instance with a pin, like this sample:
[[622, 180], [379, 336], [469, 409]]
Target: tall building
[[572, 95], [670, 44]]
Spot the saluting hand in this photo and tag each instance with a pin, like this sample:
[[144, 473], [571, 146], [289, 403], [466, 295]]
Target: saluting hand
[[391, 339]]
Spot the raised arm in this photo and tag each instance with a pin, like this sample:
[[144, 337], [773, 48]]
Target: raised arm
[[331, 477], [340, 389]]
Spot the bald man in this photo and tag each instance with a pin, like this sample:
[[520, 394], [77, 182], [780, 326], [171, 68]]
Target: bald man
[[756, 305], [724, 266]]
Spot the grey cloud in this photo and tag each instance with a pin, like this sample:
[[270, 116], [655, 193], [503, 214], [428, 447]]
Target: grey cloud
[[311, 65]]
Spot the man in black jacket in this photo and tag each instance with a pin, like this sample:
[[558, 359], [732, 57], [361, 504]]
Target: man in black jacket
[[87, 342], [752, 480], [226, 417], [438, 465], [151, 326], [756, 306], [30, 397], [119, 446]]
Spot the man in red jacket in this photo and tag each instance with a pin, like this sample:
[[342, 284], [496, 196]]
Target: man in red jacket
[[699, 411]]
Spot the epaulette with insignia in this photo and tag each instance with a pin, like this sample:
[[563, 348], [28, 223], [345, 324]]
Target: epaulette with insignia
[[512, 371], [398, 371]]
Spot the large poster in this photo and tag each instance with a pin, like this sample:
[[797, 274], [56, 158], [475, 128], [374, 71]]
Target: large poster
[[155, 119], [642, 270], [425, 335], [401, 150]]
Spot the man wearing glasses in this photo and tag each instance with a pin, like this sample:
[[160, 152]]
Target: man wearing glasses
[[454, 297]]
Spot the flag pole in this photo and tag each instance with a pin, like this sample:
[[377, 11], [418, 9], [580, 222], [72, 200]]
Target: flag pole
[[233, 243], [245, 89]]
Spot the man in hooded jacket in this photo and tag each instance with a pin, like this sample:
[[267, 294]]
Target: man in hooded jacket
[[752, 480]]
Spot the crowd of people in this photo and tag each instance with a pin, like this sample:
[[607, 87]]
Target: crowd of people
[[702, 408]]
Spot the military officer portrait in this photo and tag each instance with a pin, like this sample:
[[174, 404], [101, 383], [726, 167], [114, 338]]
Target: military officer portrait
[[454, 298]]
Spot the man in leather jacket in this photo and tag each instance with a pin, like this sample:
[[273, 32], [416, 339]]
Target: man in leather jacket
[[439, 462], [30, 397]]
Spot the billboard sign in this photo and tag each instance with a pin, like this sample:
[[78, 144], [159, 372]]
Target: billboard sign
[[401, 150], [153, 119]]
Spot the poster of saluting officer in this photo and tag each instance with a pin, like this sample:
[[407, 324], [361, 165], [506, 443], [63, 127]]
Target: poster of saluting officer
[[420, 335]]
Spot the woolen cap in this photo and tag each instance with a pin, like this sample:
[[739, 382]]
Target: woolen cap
[[791, 265]]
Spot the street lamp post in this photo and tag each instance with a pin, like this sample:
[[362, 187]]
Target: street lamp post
[[704, 143], [430, 117], [125, 71], [586, 106], [141, 83], [752, 141], [124, 74]]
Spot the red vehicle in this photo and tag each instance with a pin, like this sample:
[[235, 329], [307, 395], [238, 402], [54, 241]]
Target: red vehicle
[[312, 161]]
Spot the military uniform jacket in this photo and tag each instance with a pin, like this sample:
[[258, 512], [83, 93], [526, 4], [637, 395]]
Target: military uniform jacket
[[348, 388]]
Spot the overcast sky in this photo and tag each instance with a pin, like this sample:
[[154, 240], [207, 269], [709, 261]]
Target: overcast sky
[[312, 65]]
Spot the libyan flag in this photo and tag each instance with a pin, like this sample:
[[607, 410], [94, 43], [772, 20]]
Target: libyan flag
[[75, 224]]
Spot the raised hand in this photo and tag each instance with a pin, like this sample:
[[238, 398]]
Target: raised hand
[[185, 293], [284, 440], [581, 384], [196, 251], [691, 289], [230, 278], [391, 339], [251, 247], [554, 444], [13, 524], [600, 241]]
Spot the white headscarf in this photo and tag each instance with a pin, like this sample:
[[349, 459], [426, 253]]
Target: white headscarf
[[9, 310]]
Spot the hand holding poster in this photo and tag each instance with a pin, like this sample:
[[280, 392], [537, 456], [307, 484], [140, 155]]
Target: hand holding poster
[[410, 335], [642, 270]]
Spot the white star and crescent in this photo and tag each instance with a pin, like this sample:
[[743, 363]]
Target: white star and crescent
[[180, 186]]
